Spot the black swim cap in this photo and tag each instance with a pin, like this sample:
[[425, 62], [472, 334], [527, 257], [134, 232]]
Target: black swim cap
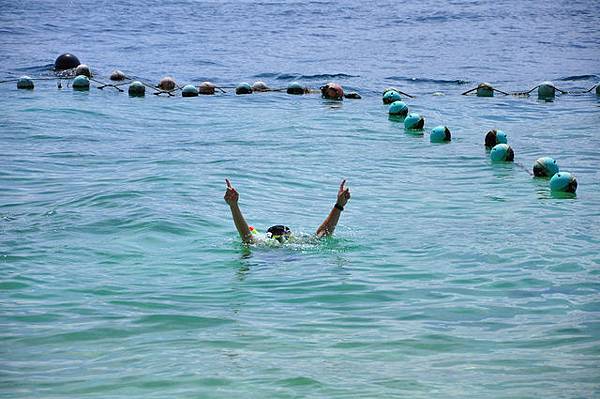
[[279, 232]]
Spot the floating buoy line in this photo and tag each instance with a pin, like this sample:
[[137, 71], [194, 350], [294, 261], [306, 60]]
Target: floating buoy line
[[495, 141], [79, 76], [67, 67]]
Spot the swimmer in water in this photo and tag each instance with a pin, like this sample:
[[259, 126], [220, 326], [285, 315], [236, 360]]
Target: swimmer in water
[[279, 232]]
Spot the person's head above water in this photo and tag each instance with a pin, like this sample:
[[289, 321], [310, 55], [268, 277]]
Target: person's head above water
[[279, 232]]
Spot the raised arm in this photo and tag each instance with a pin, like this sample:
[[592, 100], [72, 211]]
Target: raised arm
[[231, 197], [328, 226]]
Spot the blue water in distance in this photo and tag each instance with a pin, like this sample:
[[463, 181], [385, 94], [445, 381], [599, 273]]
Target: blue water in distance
[[121, 274]]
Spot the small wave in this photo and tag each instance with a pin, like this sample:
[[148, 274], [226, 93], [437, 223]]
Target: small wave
[[577, 77], [91, 334], [180, 321], [329, 76], [37, 68], [292, 76], [300, 381], [64, 110], [66, 154], [267, 75], [12, 285], [433, 18], [205, 62], [102, 199], [428, 80]]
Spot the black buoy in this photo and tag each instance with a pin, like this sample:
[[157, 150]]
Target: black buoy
[[353, 95], [66, 61]]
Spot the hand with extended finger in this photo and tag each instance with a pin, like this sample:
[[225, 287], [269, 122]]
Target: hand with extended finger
[[231, 194], [343, 194]]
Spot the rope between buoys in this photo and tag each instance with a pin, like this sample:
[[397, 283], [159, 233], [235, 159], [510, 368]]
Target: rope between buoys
[[35, 79], [103, 85]]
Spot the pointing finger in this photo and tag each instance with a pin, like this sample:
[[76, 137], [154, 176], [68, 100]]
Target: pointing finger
[[342, 185], [228, 183]]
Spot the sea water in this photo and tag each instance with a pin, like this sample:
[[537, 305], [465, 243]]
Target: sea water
[[122, 275]]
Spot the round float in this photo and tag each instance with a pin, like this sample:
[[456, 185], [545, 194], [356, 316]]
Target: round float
[[117, 76], [390, 96], [84, 70], [295, 88], [494, 137], [137, 89], [398, 108], [243, 88], [260, 86], [485, 90], [440, 134], [332, 91], [167, 84], [502, 153], [189, 91], [206, 88], [545, 167], [25, 82], [81, 82], [546, 90], [66, 61], [563, 182], [414, 121]]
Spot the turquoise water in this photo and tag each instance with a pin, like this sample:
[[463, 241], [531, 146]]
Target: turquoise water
[[122, 273]]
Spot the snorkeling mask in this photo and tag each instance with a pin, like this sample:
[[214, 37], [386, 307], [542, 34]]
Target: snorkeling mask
[[279, 232]]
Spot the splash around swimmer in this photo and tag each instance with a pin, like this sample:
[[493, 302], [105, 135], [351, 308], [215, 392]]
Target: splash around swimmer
[[282, 233]]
